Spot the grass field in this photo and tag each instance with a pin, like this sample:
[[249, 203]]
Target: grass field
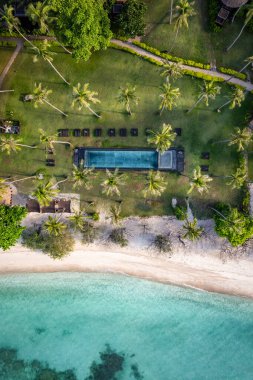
[[197, 42], [5, 54], [106, 72]]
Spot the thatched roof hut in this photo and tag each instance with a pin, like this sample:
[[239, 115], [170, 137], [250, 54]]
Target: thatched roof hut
[[234, 3]]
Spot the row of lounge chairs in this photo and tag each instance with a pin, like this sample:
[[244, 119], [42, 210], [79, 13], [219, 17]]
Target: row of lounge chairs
[[123, 132]]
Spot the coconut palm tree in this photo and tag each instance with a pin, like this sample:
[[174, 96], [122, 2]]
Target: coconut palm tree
[[54, 226], [45, 193], [83, 97], [112, 182], [50, 140], [241, 137], [44, 53], [40, 96], [191, 230], [12, 22], [209, 90], [82, 177], [169, 97], [184, 11], [39, 13], [172, 70], [239, 178], [77, 220], [115, 214], [248, 17], [127, 96], [236, 99], [199, 181], [155, 184], [162, 139], [10, 144]]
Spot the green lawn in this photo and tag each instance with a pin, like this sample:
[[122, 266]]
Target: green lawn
[[5, 54], [106, 72], [197, 43]]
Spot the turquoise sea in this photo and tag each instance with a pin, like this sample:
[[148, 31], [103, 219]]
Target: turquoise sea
[[71, 326]]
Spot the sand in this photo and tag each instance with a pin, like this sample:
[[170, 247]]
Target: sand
[[197, 265]]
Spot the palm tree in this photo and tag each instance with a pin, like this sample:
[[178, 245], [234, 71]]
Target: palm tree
[[155, 184], [115, 214], [54, 227], [77, 220], [248, 17], [249, 61], [169, 97], [241, 138], [237, 97], [172, 70], [9, 144], [45, 193], [6, 91], [209, 90], [83, 97], [44, 53], [184, 11], [191, 230], [12, 22], [39, 13], [50, 140], [162, 139], [239, 178], [40, 96], [81, 177], [199, 181], [127, 95], [112, 182]]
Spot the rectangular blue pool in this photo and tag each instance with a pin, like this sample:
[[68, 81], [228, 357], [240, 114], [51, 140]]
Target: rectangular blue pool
[[120, 158]]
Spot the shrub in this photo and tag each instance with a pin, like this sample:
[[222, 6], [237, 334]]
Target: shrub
[[245, 199], [180, 212], [118, 236], [130, 22], [56, 247], [10, 228], [232, 224], [162, 243], [232, 72], [89, 233]]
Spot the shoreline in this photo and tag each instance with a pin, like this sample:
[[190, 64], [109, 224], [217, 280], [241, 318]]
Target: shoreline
[[196, 265], [223, 280]]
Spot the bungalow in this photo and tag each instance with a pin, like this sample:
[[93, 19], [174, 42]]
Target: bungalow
[[228, 8]]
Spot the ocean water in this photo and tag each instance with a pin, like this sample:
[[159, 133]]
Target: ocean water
[[71, 326]]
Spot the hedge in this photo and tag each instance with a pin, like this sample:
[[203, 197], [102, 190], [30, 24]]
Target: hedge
[[131, 51], [233, 73], [171, 57]]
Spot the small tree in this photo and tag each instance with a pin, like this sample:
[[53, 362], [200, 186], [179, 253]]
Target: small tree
[[199, 181], [155, 184], [10, 144], [54, 226], [118, 236], [169, 97], [127, 96], [112, 182], [45, 193], [89, 233], [191, 230], [82, 177], [236, 99], [115, 214], [10, 228], [162, 139], [239, 178], [83, 97], [130, 22], [77, 221], [50, 140], [162, 243], [209, 90], [172, 70], [184, 10], [242, 138]]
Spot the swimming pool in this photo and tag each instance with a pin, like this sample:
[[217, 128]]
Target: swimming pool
[[135, 159]]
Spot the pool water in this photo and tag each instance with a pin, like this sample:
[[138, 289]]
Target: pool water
[[122, 159]]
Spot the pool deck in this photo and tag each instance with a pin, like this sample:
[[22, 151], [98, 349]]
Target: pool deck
[[176, 160]]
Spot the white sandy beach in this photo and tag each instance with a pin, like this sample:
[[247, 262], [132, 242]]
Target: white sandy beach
[[196, 265]]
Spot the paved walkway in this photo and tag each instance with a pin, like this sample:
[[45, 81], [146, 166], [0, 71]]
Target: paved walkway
[[19, 46], [246, 84]]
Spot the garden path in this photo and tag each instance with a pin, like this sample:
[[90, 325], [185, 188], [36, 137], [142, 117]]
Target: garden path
[[19, 46], [245, 84]]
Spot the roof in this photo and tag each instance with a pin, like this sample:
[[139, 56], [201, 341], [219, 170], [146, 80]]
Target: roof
[[234, 3]]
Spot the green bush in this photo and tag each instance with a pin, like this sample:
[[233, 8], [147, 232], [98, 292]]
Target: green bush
[[245, 199], [89, 233], [180, 212], [130, 22], [232, 224], [118, 236], [56, 247], [203, 76], [10, 228], [232, 72], [162, 243]]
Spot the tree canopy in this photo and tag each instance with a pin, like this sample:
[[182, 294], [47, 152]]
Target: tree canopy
[[10, 228], [83, 25], [130, 22]]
